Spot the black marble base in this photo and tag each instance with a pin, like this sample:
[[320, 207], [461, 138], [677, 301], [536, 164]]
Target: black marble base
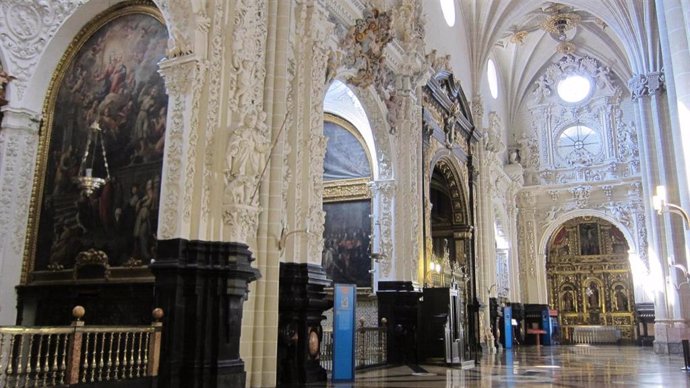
[[399, 304], [202, 286], [301, 306]]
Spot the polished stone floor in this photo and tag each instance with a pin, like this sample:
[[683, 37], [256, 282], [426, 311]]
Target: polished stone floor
[[557, 366]]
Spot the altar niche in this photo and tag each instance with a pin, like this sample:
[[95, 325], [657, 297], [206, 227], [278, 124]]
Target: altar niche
[[589, 278], [346, 256], [84, 246], [449, 143]]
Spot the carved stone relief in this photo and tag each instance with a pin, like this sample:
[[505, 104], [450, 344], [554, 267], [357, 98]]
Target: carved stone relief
[[213, 116], [365, 42], [188, 25], [248, 144], [646, 84], [178, 75], [383, 192], [615, 154], [18, 143], [27, 28]]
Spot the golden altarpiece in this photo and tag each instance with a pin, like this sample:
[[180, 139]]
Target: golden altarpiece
[[589, 278]]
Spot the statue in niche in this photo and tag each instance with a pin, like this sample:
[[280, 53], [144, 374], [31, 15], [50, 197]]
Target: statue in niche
[[247, 146], [567, 301], [453, 116], [592, 296], [621, 299], [246, 152]]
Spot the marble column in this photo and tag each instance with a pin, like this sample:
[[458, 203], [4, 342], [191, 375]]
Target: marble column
[[208, 211], [302, 279], [408, 212], [665, 243], [486, 246], [383, 203]]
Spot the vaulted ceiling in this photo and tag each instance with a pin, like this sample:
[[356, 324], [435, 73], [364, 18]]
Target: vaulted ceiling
[[515, 34]]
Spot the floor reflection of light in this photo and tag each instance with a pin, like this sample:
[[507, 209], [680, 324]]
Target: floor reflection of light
[[547, 366]]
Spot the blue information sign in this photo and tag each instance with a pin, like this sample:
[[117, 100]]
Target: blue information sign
[[344, 298], [508, 327], [546, 325]]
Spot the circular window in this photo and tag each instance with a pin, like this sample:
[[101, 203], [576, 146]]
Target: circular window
[[448, 8], [492, 78], [574, 88], [579, 144]]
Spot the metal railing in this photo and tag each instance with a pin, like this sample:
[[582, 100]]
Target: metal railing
[[371, 345], [64, 356], [596, 335]]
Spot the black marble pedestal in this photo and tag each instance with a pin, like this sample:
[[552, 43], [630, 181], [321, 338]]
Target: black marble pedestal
[[399, 304], [202, 286], [301, 306]]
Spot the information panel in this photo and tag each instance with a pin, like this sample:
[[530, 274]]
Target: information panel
[[508, 327], [344, 298]]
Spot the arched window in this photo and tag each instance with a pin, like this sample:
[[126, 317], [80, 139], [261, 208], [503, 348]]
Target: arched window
[[348, 168], [448, 9], [492, 78]]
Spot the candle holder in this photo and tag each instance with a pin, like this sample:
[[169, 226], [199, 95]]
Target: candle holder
[[88, 183]]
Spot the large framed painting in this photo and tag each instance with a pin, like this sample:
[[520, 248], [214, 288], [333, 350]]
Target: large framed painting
[[346, 256], [108, 78], [589, 239]]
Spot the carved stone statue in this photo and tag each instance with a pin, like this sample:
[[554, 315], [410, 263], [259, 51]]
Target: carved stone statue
[[621, 299], [593, 296], [4, 80]]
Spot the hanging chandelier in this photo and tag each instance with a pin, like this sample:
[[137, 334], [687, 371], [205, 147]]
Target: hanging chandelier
[[560, 23], [87, 182]]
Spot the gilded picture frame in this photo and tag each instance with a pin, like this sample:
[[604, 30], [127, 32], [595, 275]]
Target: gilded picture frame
[[122, 81]]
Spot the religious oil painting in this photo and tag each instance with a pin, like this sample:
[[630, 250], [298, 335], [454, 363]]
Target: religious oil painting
[[346, 254], [111, 82], [345, 157], [589, 239]]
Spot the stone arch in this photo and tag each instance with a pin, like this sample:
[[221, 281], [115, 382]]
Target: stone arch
[[448, 167], [551, 228], [375, 110], [53, 54]]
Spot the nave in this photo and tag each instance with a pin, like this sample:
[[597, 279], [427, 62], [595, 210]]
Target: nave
[[559, 366]]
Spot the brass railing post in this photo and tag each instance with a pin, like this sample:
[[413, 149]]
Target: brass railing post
[[74, 351], [155, 343], [361, 345], [383, 337]]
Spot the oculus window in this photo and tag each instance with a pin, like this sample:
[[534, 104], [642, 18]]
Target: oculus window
[[579, 144], [574, 88]]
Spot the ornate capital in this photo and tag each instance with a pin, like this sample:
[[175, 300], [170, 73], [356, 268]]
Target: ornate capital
[[384, 188], [20, 119], [188, 24], [581, 195], [649, 84], [178, 74], [240, 223]]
